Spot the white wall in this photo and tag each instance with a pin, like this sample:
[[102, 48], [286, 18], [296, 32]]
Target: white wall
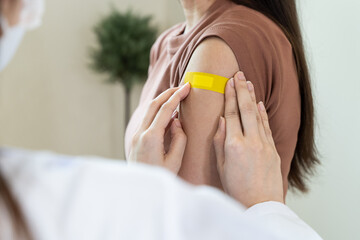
[[50, 100], [332, 30]]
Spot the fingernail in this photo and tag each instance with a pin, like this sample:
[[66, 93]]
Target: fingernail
[[174, 114], [186, 84], [177, 123], [220, 119], [221, 123], [240, 76], [250, 86], [262, 107], [232, 82], [184, 93]]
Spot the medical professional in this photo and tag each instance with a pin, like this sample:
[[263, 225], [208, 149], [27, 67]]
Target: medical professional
[[47, 196]]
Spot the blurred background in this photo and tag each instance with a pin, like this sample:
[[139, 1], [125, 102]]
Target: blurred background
[[51, 99]]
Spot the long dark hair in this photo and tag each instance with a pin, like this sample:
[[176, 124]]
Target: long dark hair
[[284, 14]]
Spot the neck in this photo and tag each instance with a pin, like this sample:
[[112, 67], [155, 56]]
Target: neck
[[194, 10]]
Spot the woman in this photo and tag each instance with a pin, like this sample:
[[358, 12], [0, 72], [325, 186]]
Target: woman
[[67, 198], [43, 196], [261, 38]]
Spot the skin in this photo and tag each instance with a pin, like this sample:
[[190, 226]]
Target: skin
[[194, 10], [201, 111], [247, 160], [245, 149], [148, 143]]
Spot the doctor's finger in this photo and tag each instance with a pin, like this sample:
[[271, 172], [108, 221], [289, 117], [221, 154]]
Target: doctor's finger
[[177, 147], [247, 108], [231, 114], [266, 125], [166, 111], [154, 107], [219, 143], [258, 117], [174, 116]]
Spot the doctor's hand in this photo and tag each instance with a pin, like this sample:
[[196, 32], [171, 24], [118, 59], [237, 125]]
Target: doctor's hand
[[247, 160], [148, 143]]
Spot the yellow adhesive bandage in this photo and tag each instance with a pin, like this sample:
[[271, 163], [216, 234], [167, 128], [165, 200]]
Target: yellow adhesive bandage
[[206, 81]]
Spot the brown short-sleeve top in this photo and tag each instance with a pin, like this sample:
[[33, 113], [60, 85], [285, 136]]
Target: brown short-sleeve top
[[263, 53]]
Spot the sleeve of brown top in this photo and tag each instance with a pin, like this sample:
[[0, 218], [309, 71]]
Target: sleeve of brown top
[[266, 58], [159, 46]]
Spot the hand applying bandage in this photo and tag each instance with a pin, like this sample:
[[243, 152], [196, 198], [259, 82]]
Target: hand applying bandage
[[248, 163], [148, 142]]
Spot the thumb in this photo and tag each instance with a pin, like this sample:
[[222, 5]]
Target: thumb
[[219, 140], [177, 147]]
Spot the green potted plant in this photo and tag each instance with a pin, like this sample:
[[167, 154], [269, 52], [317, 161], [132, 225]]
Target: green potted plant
[[123, 48]]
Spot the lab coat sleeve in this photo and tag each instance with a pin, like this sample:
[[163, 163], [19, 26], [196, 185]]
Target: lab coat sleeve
[[66, 197], [281, 220]]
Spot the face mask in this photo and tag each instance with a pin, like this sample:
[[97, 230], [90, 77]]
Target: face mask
[[9, 42], [30, 18]]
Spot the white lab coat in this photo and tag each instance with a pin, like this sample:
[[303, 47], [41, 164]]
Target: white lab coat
[[87, 198]]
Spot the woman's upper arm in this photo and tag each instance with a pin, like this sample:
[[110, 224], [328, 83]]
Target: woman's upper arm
[[270, 65], [200, 111]]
